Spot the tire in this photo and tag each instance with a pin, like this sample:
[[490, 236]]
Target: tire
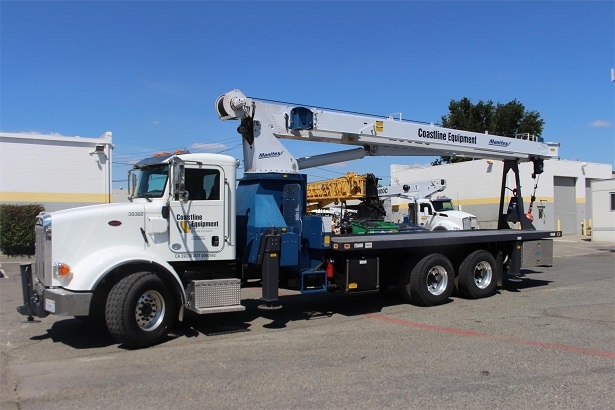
[[140, 310], [404, 278], [430, 282], [477, 275]]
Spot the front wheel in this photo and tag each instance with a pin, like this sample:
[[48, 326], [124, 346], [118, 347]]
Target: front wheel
[[477, 275], [139, 310]]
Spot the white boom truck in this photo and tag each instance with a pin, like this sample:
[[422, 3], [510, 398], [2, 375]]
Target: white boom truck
[[427, 211], [191, 234]]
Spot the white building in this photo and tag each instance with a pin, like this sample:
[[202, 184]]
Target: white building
[[563, 190], [603, 210], [58, 172]]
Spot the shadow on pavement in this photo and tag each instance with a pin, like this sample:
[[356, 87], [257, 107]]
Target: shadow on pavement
[[525, 282], [85, 334], [78, 333]]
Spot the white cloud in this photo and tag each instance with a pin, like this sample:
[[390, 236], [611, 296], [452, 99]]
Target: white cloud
[[53, 134], [214, 146], [601, 124]]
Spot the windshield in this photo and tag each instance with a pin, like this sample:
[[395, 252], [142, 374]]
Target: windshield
[[440, 206], [151, 181]]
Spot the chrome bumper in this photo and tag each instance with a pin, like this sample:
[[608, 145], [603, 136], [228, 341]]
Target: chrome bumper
[[40, 301]]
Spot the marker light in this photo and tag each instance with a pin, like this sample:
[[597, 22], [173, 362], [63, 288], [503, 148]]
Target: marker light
[[60, 270]]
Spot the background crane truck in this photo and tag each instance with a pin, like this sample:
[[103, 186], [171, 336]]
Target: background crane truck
[[191, 233], [426, 210], [365, 215], [423, 209]]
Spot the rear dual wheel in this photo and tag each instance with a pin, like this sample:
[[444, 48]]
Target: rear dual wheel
[[430, 282], [477, 275]]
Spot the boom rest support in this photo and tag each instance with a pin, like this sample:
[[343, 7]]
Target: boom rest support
[[514, 212]]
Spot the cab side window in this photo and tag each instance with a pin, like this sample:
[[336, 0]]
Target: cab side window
[[203, 184], [425, 207]]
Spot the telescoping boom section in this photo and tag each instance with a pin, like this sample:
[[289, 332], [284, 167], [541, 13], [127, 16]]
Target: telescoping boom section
[[263, 123]]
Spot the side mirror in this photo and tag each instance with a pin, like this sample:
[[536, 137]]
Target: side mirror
[[179, 181], [132, 184]]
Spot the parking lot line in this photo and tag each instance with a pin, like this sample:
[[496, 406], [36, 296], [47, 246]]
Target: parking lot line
[[512, 340]]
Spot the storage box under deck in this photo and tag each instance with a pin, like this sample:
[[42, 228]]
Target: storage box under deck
[[360, 275], [214, 296], [537, 253]]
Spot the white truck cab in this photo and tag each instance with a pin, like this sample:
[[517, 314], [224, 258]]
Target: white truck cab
[[439, 214], [181, 211]]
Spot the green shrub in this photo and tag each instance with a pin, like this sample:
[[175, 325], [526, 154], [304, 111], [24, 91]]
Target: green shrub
[[17, 223]]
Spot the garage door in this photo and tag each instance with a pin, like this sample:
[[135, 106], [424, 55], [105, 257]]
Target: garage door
[[565, 204]]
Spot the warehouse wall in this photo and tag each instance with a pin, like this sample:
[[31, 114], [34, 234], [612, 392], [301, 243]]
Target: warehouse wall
[[58, 172], [475, 186]]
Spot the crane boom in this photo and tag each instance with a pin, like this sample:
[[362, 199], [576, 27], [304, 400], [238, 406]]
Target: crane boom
[[264, 123]]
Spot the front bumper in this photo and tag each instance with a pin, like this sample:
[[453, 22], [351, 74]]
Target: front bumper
[[40, 301]]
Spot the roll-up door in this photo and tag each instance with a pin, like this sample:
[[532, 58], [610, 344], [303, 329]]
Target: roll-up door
[[565, 204]]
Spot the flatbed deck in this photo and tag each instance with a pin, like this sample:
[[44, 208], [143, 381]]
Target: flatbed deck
[[426, 238]]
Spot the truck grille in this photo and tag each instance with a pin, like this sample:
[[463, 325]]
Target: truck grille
[[469, 223], [42, 266]]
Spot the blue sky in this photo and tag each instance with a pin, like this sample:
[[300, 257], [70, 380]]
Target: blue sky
[[150, 71]]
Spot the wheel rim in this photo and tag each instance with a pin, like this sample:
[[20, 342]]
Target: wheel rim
[[149, 311], [437, 280], [483, 273]]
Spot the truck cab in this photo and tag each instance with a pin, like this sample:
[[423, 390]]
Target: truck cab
[[151, 253], [191, 217], [439, 214]]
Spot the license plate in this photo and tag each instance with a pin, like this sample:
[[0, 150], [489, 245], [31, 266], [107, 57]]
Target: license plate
[[50, 305]]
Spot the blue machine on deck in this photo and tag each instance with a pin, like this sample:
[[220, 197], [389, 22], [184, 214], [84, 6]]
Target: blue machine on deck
[[271, 203]]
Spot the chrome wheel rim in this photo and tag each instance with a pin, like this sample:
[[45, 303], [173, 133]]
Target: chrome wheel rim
[[483, 274], [149, 311], [437, 280]]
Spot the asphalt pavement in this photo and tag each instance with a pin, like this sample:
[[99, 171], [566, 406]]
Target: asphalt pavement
[[546, 342]]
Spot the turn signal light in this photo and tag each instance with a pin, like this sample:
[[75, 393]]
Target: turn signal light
[[61, 270]]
